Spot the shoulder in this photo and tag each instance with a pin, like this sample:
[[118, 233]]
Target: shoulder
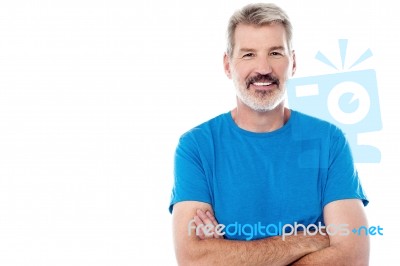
[[207, 128]]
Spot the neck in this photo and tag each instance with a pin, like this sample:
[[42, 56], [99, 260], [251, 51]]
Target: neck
[[254, 121]]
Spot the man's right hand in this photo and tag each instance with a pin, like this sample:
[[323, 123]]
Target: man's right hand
[[203, 219]]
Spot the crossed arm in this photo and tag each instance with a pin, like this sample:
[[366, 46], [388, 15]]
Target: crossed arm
[[296, 250]]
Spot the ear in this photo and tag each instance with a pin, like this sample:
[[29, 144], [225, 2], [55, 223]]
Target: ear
[[227, 67], [294, 62]]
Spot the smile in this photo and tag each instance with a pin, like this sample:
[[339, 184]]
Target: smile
[[262, 83]]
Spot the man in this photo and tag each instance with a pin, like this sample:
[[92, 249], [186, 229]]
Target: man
[[263, 171]]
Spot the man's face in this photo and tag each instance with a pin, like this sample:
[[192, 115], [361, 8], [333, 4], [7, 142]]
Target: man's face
[[260, 65]]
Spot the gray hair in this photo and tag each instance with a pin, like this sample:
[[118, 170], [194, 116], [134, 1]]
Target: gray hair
[[258, 14]]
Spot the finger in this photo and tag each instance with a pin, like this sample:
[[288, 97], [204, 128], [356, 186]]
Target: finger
[[198, 222], [215, 222], [208, 226], [202, 215], [199, 225], [212, 218]]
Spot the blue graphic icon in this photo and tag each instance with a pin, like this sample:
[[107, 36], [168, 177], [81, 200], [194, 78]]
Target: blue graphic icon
[[347, 99]]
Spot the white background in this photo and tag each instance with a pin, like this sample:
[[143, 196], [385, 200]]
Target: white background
[[93, 98]]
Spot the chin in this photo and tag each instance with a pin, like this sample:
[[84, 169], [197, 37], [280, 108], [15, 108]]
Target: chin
[[257, 103], [263, 109], [264, 106]]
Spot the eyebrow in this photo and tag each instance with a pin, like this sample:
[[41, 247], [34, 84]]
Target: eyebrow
[[245, 50], [277, 48]]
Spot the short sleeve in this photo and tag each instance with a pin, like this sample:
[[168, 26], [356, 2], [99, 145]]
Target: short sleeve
[[190, 183], [342, 180]]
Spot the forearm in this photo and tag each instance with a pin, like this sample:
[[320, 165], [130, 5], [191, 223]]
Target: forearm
[[334, 255], [327, 255], [269, 251], [346, 247]]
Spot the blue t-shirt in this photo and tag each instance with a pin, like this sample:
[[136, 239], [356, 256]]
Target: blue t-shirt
[[265, 179]]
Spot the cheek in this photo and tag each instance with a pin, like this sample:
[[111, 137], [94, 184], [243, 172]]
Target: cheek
[[242, 71], [284, 70]]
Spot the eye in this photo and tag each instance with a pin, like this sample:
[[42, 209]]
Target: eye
[[248, 55], [276, 54]]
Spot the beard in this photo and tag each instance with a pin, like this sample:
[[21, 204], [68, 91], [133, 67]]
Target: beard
[[260, 100]]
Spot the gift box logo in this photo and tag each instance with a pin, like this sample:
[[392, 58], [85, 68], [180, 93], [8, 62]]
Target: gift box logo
[[347, 99]]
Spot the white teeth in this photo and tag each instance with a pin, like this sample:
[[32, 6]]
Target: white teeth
[[261, 83]]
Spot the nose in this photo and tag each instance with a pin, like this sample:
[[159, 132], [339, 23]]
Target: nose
[[263, 66]]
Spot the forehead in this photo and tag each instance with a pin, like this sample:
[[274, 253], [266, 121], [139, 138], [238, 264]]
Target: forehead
[[260, 37]]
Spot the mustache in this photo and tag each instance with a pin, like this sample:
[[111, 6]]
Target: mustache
[[262, 78]]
